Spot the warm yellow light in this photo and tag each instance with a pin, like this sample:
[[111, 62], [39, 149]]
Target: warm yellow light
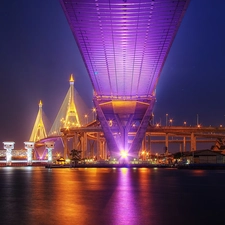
[[71, 78], [40, 103]]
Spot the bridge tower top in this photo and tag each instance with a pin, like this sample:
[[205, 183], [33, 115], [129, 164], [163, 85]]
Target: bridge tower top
[[38, 131], [71, 118], [71, 79]]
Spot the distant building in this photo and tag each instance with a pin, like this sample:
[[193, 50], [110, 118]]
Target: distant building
[[202, 156]]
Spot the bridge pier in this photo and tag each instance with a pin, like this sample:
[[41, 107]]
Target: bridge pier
[[103, 150], [29, 146], [9, 146], [98, 147], [184, 144], [84, 145], [193, 142], [149, 143], [167, 144], [65, 150], [49, 145]]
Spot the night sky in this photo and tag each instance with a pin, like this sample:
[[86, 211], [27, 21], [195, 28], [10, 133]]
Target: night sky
[[38, 53]]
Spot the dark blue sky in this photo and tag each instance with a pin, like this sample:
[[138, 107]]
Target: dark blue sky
[[38, 53]]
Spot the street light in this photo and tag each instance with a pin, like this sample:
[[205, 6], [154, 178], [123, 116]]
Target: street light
[[171, 121], [86, 118], [94, 113], [185, 123]]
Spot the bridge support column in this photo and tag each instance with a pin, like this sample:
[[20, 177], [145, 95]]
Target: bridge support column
[[9, 146], [144, 143], [106, 150], [184, 144], [167, 144], [85, 145], [29, 146], [143, 149], [103, 148], [64, 138], [101, 154], [49, 145], [149, 144], [193, 142], [82, 145], [98, 146]]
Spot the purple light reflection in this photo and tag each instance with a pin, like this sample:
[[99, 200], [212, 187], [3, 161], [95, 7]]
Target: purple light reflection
[[123, 200]]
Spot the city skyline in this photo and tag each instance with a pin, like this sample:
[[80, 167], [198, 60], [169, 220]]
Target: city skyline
[[39, 54]]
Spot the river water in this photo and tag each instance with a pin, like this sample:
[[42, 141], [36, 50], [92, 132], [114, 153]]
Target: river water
[[36, 195]]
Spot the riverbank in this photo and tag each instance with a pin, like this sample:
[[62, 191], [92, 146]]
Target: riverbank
[[202, 166], [110, 166]]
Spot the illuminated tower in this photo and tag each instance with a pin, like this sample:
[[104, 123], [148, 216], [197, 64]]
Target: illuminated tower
[[68, 114], [72, 118], [124, 45], [38, 131]]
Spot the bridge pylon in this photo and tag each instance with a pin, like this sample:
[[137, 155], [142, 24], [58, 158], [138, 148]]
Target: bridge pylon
[[67, 116], [39, 131], [71, 118]]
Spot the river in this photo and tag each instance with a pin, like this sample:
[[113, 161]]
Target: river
[[36, 195]]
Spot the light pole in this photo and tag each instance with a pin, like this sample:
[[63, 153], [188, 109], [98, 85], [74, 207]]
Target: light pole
[[197, 120], [185, 123], [94, 113], [166, 120], [86, 118], [171, 121]]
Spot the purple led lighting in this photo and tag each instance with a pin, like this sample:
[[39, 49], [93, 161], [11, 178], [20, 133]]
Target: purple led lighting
[[124, 44]]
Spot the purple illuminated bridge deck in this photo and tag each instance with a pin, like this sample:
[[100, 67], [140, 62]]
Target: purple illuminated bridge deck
[[124, 44]]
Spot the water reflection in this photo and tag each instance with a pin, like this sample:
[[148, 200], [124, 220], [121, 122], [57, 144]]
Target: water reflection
[[111, 196], [122, 205]]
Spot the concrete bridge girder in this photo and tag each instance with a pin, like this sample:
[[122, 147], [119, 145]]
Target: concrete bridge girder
[[95, 134]]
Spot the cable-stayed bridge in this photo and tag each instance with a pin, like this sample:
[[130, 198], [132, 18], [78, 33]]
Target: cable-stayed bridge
[[124, 44], [72, 129], [88, 137]]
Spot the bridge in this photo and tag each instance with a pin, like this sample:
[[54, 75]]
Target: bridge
[[124, 45], [89, 138]]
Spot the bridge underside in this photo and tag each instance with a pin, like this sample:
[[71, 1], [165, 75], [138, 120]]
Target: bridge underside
[[119, 117], [124, 44]]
